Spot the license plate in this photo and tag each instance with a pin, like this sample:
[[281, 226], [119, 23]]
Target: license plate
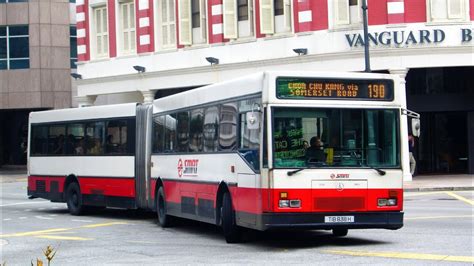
[[338, 219]]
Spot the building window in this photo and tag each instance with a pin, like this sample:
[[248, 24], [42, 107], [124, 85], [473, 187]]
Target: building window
[[275, 16], [448, 10], [238, 18], [12, 1], [167, 24], [101, 32], [14, 47], [243, 10], [279, 8], [127, 18], [192, 22], [73, 43], [347, 12], [195, 13]]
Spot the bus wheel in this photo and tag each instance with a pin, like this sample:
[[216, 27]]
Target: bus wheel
[[340, 232], [74, 199], [230, 228], [163, 219]]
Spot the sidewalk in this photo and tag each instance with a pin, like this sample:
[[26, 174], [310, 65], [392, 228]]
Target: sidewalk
[[419, 183], [439, 182], [12, 175]]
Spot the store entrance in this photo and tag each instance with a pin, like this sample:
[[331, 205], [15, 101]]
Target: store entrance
[[442, 146], [13, 136]]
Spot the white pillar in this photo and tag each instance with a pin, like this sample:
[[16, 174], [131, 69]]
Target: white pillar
[[148, 96], [84, 101], [402, 73]]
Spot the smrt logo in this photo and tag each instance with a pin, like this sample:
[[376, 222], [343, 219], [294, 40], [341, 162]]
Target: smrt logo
[[180, 167], [337, 176], [188, 167]]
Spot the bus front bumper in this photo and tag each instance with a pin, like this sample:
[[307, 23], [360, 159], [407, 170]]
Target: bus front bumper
[[357, 220]]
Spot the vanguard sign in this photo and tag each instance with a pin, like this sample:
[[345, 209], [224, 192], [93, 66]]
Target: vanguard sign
[[405, 38]]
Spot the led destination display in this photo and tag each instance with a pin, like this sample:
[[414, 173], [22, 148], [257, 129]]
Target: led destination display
[[353, 89]]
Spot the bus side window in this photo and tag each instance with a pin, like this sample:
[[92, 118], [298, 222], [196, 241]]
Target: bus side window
[[158, 133], [95, 138], [39, 145], [170, 133], [196, 130], [249, 142], [56, 139], [183, 131], [75, 136], [116, 137], [228, 127], [210, 129]]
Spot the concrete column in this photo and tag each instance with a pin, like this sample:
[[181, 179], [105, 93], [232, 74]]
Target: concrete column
[[148, 96], [470, 140], [84, 101], [401, 91]]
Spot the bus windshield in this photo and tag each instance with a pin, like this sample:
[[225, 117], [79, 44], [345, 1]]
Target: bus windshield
[[335, 138]]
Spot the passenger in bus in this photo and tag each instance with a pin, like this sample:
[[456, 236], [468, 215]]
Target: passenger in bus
[[69, 147], [80, 147], [97, 148], [59, 145], [315, 152], [110, 146]]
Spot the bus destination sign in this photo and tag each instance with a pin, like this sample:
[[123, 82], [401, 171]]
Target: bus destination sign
[[327, 88]]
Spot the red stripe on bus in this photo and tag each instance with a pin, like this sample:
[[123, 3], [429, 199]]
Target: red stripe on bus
[[47, 179], [256, 200], [108, 186]]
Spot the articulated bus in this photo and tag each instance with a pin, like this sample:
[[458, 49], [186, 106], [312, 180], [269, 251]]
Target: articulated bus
[[273, 150]]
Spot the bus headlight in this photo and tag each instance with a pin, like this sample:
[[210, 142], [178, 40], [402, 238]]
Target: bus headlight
[[295, 203], [284, 204], [392, 202], [289, 203], [387, 202]]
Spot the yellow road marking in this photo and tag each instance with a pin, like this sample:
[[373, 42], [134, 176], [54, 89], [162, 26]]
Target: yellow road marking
[[438, 217], [32, 233], [55, 230], [64, 237], [461, 198], [101, 225], [400, 255], [409, 194]]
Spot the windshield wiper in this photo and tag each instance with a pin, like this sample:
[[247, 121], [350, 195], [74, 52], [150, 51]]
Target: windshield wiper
[[290, 173], [380, 171]]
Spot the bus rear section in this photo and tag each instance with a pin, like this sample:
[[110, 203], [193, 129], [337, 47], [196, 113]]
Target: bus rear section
[[87, 157]]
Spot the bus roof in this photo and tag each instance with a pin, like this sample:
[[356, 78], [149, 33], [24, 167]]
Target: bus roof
[[247, 85], [84, 113]]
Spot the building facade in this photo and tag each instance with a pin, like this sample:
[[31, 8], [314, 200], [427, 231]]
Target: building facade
[[427, 42], [35, 67]]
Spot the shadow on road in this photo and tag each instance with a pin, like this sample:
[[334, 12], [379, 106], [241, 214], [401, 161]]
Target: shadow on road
[[281, 239]]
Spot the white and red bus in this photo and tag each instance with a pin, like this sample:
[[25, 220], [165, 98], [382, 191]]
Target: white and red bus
[[272, 150], [90, 156]]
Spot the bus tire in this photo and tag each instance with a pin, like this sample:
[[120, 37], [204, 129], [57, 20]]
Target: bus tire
[[163, 219], [74, 199], [229, 226], [340, 232]]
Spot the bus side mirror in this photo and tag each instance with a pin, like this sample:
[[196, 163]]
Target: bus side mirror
[[415, 127], [253, 120]]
